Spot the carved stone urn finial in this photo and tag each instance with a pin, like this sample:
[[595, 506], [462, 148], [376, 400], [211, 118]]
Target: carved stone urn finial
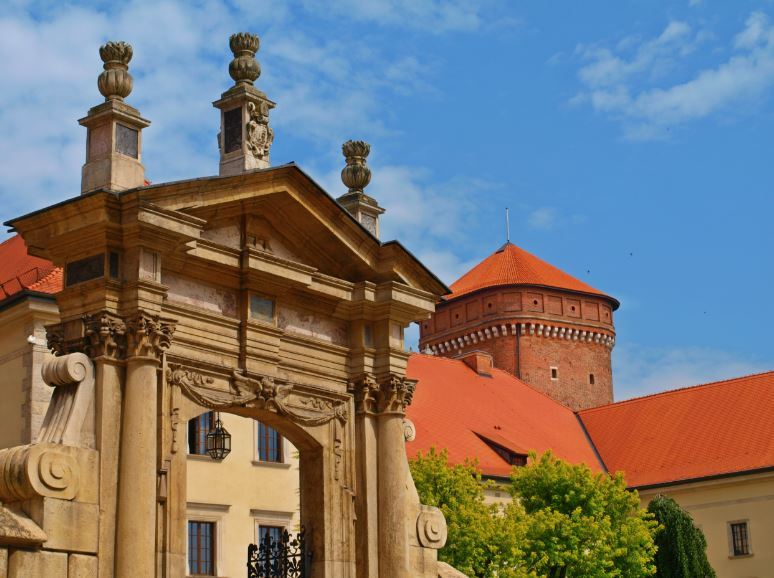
[[115, 82], [244, 69], [356, 175]]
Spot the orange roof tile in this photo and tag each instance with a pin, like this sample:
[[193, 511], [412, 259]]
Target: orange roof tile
[[20, 271], [454, 407], [511, 265], [706, 430]]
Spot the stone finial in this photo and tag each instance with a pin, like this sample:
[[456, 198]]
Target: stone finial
[[115, 82], [356, 175], [244, 69]]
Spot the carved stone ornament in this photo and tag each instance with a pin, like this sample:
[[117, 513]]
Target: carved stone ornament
[[105, 336], [395, 394], [409, 430], [264, 392], [41, 469], [200, 388], [356, 175], [259, 134], [244, 69], [365, 391], [392, 394], [55, 340], [148, 335], [70, 415], [431, 528], [115, 82]]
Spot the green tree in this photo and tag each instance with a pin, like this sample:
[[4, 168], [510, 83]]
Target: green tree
[[482, 541], [682, 548], [565, 521], [582, 524]]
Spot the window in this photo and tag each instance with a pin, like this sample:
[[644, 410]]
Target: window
[[269, 444], [262, 308], [201, 548], [274, 532], [591, 379], [197, 433], [512, 458], [554, 373], [740, 539]]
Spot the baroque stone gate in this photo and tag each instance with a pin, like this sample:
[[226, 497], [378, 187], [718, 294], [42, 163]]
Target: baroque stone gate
[[252, 292]]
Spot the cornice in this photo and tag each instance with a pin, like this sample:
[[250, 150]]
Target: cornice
[[495, 330]]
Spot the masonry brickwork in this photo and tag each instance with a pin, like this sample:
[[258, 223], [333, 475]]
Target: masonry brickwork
[[557, 341]]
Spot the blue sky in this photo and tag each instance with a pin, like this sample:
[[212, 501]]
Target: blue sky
[[632, 140]]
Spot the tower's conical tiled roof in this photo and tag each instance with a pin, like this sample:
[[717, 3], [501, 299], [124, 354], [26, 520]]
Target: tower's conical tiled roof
[[510, 265]]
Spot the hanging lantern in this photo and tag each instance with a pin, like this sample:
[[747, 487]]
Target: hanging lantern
[[218, 442]]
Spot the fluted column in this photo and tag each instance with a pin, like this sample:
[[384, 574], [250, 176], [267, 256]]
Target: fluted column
[[147, 338]]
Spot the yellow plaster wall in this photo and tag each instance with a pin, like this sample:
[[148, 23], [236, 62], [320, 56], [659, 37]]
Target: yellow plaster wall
[[13, 345], [23, 395], [713, 504], [239, 490]]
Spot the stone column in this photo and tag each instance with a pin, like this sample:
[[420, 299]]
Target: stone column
[[393, 396], [147, 337]]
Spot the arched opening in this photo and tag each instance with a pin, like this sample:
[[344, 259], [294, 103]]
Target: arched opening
[[254, 491]]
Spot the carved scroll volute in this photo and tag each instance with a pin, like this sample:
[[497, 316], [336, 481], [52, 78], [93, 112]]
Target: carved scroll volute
[[431, 528], [70, 415], [48, 470], [148, 335]]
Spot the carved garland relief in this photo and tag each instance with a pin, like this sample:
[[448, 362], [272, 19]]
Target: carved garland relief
[[264, 392]]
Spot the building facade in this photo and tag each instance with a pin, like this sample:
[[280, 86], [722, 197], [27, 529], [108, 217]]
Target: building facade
[[252, 294]]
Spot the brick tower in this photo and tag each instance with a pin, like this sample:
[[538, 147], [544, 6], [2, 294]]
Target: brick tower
[[541, 324]]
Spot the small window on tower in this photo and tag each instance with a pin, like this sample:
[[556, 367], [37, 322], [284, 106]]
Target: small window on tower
[[591, 379], [554, 373]]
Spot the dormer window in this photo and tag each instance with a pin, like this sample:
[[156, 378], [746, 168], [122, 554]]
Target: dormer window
[[512, 458]]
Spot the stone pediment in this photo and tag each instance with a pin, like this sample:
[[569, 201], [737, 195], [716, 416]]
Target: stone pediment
[[282, 213]]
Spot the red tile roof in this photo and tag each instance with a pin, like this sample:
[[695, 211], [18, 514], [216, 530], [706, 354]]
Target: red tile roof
[[20, 271], [454, 407], [511, 265], [713, 429]]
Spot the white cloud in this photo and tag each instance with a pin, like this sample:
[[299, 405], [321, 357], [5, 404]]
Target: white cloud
[[639, 370], [436, 16], [627, 88], [544, 218], [326, 80]]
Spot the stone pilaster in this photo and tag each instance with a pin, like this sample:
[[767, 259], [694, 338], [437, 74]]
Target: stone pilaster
[[114, 138], [245, 136]]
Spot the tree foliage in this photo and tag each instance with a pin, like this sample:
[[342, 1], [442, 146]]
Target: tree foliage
[[565, 521], [581, 523], [682, 548], [481, 541]]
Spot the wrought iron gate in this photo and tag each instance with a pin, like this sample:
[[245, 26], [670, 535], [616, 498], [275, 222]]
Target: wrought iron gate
[[285, 557]]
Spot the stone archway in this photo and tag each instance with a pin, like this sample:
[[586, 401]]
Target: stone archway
[[317, 422]]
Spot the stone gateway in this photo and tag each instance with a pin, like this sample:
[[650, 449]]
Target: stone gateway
[[252, 292]]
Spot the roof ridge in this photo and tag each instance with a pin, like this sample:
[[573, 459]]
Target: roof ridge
[[678, 390]]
